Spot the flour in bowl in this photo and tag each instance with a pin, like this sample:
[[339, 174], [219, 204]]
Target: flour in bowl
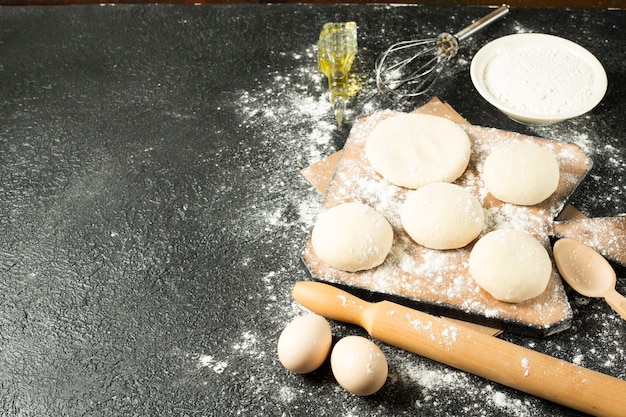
[[539, 79]]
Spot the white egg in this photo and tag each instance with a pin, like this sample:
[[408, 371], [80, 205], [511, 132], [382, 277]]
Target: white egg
[[305, 343], [359, 365]]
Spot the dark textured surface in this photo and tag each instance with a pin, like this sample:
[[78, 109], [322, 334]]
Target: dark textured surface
[[153, 212]]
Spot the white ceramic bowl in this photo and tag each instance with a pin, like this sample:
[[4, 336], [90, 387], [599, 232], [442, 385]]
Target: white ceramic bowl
[[535, 76]]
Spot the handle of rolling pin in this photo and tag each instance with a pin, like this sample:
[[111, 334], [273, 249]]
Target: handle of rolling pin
[[471, 351]]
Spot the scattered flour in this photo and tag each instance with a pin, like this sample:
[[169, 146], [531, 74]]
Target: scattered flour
[[578, 359], [287, 394], [285, 111], [525, 363], [438, 385], [431, 276], [208, 361], [295, 124], [294, 117]]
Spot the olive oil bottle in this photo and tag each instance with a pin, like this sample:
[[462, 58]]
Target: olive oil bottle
[[337, 47]]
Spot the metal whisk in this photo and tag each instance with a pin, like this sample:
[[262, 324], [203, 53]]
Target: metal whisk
[[409, 68]]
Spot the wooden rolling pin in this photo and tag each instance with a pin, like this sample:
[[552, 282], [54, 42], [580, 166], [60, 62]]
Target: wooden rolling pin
[[471, 351]]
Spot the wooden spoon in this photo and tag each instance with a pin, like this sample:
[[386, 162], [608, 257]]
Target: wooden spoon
[[587, 272], [470, 350]]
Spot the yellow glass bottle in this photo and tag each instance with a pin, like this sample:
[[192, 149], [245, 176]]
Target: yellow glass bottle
[[336, 49]]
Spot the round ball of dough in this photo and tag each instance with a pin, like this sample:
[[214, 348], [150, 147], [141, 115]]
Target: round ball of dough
[[304, 344], [521, 173], [511, 265], [442, 216], [411, 150], [359, 365], [352, 237]]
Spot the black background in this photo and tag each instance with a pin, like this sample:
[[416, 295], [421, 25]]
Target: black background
[[153, 211]]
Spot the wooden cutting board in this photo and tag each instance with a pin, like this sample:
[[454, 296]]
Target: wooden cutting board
[[439, 280]]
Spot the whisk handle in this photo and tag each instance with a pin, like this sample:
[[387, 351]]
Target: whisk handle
[[482, 22]]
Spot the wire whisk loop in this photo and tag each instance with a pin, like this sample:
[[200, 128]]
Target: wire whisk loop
[[409, 68]]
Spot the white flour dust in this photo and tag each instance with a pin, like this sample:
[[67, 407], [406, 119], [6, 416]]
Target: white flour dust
[[532, 80], [292, 124], [208, 361], [295, 120], [289, 113], [438, 385], [589, 135]]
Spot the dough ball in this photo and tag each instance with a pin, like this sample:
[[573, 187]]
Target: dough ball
[[305, 343], [442, 216], [352, 237], [511, 265], [359, 365], [521, 173], [412, 150]]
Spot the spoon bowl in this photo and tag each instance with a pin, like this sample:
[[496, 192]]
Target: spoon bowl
[[588, 272]]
